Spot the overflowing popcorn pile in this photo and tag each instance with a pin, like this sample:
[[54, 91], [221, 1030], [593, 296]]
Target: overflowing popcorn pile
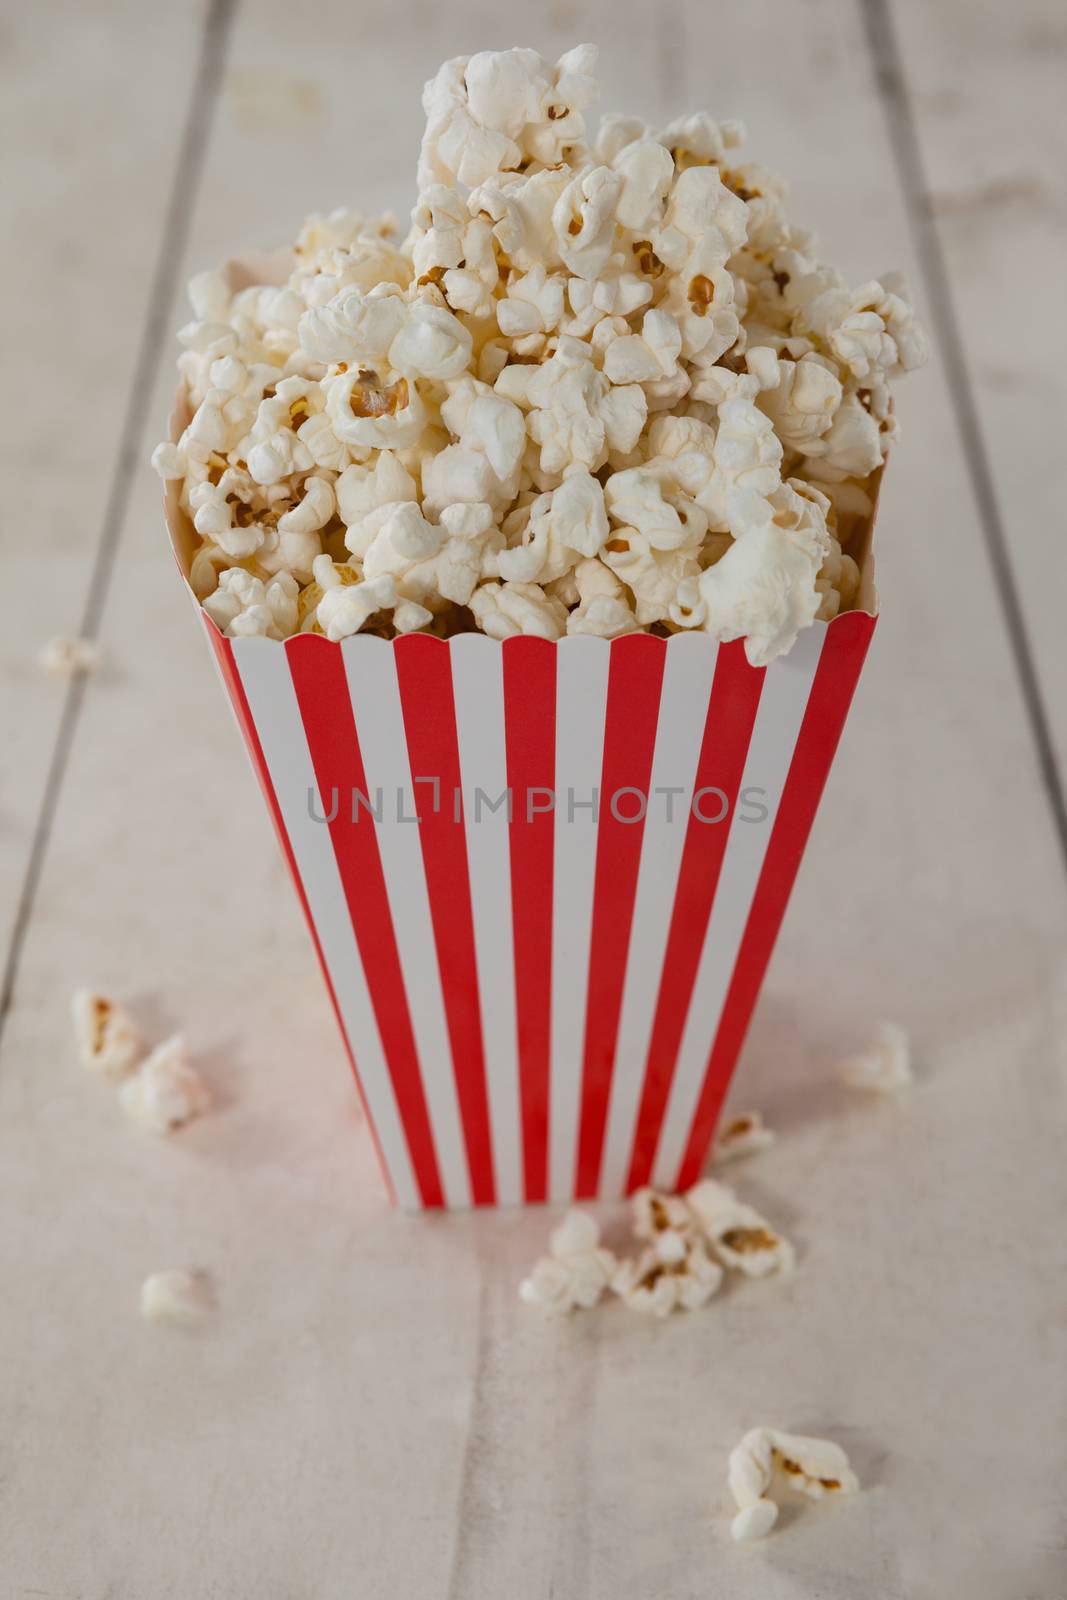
[[598, 388]]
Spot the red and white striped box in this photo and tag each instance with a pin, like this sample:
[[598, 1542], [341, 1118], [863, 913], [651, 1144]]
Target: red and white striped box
[[541, 1000]]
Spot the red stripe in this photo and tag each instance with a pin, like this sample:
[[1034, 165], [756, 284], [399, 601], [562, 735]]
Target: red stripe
[[831, 694], [318, 674], [530, 737], [735, 694], [424, 674], [634, 681], [223, 651]]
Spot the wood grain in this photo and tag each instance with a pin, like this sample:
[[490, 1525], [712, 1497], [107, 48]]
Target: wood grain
[[372, 1412]]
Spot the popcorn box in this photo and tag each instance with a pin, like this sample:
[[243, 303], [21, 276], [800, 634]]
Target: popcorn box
[[543, 880]]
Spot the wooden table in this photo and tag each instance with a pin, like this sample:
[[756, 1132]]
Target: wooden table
[[372, 1413]]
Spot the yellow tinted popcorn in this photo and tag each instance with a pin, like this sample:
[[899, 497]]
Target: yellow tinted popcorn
[[623, 353]]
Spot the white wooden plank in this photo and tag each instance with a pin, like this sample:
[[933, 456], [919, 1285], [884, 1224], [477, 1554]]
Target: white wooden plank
[[372, 1406], [993, 145], [91, 125]]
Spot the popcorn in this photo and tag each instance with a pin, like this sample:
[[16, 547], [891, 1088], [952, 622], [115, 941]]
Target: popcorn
[[650, 356], [801, 398], [344, 609], [740, 1237], [866, 329], [176, 1295], [817, 1468], [69, 658], [574, 413], [576, 1271], [109, 1041], [532, 303], [167, 1091], [603, 609], [660, 1281], [675, 1271], [504, 610], [378, 413], [885, 1066], [742, 1136], [245, 607], [624, 355], [763, 588]]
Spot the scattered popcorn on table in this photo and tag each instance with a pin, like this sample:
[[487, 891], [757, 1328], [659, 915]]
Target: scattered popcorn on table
[[599, 387], [815, 1467], [576, 1271], [660, 1281], [69, 658], [742, 1136], [167, 1091], [675, 1271], [885, 1066], [109, 1041], [177, 1295], [740, 1237]]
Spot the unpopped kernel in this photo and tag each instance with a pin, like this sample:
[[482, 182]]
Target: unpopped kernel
[[603, 384]]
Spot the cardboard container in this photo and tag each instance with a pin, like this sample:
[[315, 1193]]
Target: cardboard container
[[543, 880]]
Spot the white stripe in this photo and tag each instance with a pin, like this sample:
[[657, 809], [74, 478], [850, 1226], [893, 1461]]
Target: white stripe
[[370, 665], [478, 686], [581, 702], [781, 710], [687, 678], [264, 672]]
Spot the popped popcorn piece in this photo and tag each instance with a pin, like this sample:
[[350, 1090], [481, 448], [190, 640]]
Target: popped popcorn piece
[[576, 1271], [866, 329], [763, 588], [739, 1235], [817, 1468], [372, 411], [69, 658], [603, 609], [885, 1066], [658, 1216], [177, 1295], [574, 412], [800, 397], [658, 1281], [504, 610], [166, 1091], [649, 356], [486, 113], [346, 607], [532, 303], [584, 220], [675, 1271], [742, 1136], [109, 1041], [245, 607]]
